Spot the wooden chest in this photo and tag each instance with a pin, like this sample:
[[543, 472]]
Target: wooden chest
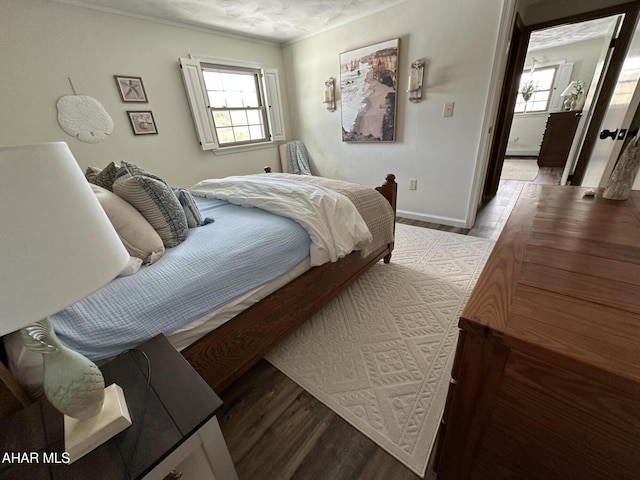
[[546, 382]]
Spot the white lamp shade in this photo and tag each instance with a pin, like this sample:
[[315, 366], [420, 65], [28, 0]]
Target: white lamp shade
[[57, 245], [569, 90]]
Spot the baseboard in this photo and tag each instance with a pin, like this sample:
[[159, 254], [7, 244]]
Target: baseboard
[[521, 153], [451, 222]]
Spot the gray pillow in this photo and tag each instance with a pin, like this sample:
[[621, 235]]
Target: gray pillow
[[134, 169], [103, 178], [91, 173], [155, 200]]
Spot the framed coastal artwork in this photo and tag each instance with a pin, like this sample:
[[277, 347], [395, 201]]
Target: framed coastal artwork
[[142, 122], [131, 89], [368, 86]]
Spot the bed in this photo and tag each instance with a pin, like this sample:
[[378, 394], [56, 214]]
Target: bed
[[244, 330]]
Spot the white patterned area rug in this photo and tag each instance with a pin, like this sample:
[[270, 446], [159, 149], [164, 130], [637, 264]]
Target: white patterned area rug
[[380, 354]]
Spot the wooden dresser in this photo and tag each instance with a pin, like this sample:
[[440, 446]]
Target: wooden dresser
[[558, 137], [546, 380]]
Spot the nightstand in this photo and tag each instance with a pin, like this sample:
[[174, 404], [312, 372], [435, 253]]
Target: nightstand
[[178, 431]]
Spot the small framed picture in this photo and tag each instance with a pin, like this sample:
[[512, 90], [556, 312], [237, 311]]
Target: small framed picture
[[131, 89], [142, 122]]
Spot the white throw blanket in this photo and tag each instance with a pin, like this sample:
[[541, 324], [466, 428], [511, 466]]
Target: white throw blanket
[[333, 222]]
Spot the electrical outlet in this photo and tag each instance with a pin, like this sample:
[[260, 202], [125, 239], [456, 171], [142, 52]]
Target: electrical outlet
[[413, 184]]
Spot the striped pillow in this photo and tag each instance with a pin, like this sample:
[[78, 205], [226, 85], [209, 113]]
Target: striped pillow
[[191, 211], [155, 200]]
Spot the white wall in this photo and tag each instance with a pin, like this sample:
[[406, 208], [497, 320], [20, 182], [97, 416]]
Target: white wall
[[42, 43], [527, 129], [458, 40]]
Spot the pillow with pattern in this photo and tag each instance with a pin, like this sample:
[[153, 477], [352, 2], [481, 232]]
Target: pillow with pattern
[[190, 207], [155, 200], [103, 178], [134, 169], [91, 173]]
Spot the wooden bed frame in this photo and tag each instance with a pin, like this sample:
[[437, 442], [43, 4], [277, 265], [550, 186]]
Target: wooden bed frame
[[227, 352], [223, 355]]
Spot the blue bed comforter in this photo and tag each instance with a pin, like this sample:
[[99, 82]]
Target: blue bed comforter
[[242, 249]]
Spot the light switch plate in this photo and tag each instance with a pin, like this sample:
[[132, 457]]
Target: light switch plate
[[447, 111]]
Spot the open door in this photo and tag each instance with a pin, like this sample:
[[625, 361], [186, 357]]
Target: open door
[[600, 102], [615, 126], [592, 148], [593, 94]]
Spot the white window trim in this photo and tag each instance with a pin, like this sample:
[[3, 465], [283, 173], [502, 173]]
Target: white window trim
[[198, 101]]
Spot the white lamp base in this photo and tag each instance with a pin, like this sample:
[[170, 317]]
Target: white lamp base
[[82, 436]]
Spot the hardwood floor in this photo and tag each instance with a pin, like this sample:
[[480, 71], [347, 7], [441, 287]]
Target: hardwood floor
[[277, 431]]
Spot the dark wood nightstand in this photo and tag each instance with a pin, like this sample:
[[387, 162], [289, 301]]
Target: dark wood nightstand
[[178, 431]]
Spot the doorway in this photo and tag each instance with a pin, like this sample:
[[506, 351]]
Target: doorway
[[600, 93]]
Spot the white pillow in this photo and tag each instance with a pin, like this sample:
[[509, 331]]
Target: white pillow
[[138, 236]]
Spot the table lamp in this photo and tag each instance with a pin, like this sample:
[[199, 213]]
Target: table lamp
[[57, 246], [570, 94]]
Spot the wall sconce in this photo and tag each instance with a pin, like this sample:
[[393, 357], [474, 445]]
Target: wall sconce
[[416, 75], [330, 94]]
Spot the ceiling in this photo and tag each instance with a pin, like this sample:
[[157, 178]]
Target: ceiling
[[570, 33], [283, 21], [278, 21]]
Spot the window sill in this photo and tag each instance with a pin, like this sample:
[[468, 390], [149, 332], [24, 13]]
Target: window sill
[[242, 148]]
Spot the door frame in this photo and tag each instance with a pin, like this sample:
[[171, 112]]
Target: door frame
[[515, 63], [507, 103], [608, 86]]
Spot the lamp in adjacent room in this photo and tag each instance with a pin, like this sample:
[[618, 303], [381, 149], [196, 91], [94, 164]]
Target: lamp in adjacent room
[[572, 93], [58, 246], [330, 94]]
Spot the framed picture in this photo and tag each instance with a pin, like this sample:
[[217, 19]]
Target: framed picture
[[368, 86], [131, 89], [142, 122]]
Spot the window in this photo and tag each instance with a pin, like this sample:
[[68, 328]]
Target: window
[[542, 80], [233, 105], [236, 104]]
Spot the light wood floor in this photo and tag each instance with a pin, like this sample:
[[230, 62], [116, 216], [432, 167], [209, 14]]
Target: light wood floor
[[277, 431]]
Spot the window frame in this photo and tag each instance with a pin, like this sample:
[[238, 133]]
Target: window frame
[[261, 108], [526, 74], [197, 96], [561, 79]]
